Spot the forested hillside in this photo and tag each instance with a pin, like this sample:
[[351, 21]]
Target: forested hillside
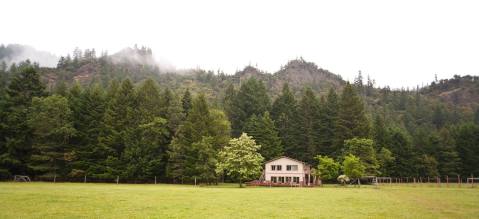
[[125, 115]]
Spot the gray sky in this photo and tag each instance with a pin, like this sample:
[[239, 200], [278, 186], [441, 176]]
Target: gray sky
[[398, 43]]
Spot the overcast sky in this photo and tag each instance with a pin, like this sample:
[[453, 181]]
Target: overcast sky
[[398, 43]]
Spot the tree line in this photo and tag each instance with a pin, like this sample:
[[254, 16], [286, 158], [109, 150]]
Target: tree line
[[143, 130]]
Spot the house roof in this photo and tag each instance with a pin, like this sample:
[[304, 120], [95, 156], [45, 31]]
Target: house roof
[[277, 158]]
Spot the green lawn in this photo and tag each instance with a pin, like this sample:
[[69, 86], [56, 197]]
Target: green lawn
[[74, 200]]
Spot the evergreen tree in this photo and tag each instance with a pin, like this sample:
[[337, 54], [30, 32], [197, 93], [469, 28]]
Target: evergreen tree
[[263, 131], [308, 126], [201, 122], [467, 138], [50, 119], [438, 117], [328, 123], [385, 160], [447, 156], [186, 102], [144, 154], [251, 99], [228, 101], [427, 166], [284, 113], [399, 143], [119, 121], [352, 120], [17, 137], [88, 122], [379, 132]]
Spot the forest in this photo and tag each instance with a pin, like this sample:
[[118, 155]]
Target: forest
[[112, 116]]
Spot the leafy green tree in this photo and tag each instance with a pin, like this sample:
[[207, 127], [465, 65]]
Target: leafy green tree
[[50, 119], [284, 113], [352, 120], [240, 159], [353, 167], [262, 129], [327, 168], [363, 149]]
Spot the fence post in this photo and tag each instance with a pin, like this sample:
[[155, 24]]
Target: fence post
[[155, 179], [472, 180], [84, 180], [195, 180], [447, 181], [117, 179], [459, 181], [55, 178]]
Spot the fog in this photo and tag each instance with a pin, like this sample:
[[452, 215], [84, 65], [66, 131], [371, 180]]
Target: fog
[[15, 53]]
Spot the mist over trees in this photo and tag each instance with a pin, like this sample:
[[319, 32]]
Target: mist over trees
[[96, 117]]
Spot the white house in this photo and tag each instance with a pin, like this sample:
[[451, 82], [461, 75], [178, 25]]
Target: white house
[[287, 171]]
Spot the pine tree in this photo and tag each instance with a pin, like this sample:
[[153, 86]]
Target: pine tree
[[50, 119], [399, 143], [447, 156], [17, 137], [149, 102], [379, 132], [308, 127], [263, 131], [228, 101], [186, 102], [251, 99], [328, 119], [352, 120], [284, 113], [89, 125], [467, 138], [119, 121], [201, 122]]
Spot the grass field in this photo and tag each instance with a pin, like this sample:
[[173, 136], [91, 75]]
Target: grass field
[[75, 200]]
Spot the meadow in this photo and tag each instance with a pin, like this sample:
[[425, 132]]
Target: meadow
[[79, 200]]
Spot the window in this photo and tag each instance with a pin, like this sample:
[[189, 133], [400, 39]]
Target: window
[[292, 167], [273, 167], [278, 167], [274, 179], [296, 179], [281, 179], [288, 179]]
